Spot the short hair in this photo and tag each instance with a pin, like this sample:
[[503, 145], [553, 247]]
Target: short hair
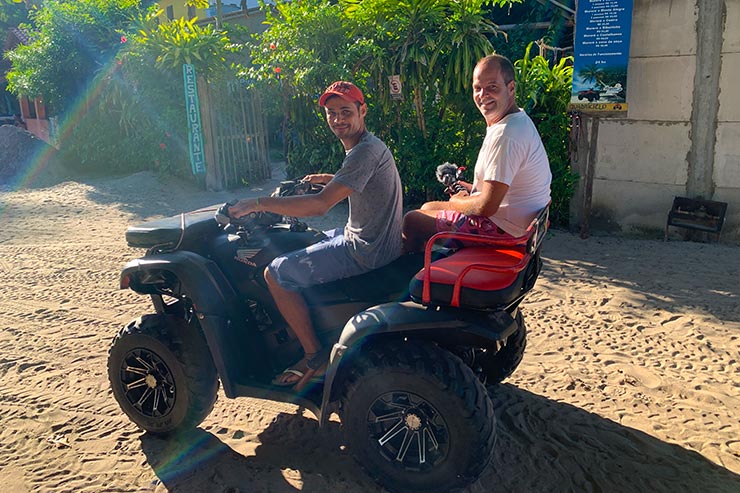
[[503, 63]]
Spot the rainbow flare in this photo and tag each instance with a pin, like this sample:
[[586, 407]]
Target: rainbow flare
[[42, 156]]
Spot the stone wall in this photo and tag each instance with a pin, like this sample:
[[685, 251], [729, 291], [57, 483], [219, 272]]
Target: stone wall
[[681, 135]]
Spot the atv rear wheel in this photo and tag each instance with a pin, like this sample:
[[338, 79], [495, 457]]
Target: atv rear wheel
[[417, 419], [499, 365], [162, 374]]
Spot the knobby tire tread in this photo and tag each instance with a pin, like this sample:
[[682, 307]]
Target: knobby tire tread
[[188, 345], [450, 374]]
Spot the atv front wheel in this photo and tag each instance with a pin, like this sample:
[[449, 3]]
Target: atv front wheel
[[162, 374], [417, 419]]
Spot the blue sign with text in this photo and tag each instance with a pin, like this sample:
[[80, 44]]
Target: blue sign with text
[[601, 55], [195, 131]]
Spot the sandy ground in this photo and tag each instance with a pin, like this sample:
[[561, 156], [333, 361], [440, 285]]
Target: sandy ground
[[630, 382]]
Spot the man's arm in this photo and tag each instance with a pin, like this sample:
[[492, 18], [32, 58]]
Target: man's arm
[[297, 206], [319, 178], [485, 203]]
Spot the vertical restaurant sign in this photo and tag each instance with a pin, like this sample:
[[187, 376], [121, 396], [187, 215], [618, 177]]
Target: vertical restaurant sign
[[195, 131], [601, 52]]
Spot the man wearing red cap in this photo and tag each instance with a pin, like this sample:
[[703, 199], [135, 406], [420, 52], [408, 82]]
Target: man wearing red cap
[[370, 239]]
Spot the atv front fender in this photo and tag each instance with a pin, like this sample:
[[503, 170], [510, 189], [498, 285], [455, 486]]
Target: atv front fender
[[412, 320], [214, 300]]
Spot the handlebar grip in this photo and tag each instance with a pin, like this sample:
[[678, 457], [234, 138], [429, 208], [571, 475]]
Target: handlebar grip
[[222, 214]]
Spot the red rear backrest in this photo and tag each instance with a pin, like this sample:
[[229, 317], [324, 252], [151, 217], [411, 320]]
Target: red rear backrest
[[494, 255]]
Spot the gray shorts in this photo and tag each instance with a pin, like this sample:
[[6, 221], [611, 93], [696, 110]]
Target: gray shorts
[[325, 261]]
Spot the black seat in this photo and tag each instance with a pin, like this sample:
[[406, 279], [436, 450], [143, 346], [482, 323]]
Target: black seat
[[169, 231]]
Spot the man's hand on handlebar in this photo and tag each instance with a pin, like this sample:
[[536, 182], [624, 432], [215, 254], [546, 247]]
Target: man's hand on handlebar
[[239, 211], [243, 208]]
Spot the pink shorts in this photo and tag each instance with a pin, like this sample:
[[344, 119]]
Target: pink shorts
[[477, 225]]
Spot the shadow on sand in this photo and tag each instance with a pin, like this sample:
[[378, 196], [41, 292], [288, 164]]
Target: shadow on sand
[[673, 276], [543, 445]]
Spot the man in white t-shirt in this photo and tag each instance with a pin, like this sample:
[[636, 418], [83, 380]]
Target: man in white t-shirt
[[512, 173]]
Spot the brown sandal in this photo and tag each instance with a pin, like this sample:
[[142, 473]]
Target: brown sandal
[[306, 370], [318, 362]]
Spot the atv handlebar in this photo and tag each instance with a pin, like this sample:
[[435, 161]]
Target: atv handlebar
[[222, 214], [249, 221], [296, 187], [255, 219]]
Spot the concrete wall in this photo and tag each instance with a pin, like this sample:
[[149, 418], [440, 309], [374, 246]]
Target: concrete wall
[[727, 154], [681, 135]]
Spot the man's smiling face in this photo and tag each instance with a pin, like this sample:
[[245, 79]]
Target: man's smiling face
[[492, 95], [345, 119]]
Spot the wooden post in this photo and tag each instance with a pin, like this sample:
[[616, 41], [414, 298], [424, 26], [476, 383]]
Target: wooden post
[[25, 108], [583, 142], [589, 178], [40, 108], [219, 14], [578, 151], [214, 179]]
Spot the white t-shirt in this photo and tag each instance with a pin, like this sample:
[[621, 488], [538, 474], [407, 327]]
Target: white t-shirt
[[512, 153]]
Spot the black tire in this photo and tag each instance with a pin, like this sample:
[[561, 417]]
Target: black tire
[[162, 374], [498, 366], [428, 395]]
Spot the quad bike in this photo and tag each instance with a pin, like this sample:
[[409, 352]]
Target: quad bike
[[413, 343]]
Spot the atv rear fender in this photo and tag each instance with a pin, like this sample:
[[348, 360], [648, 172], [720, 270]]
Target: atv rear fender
[[214, 301], [411, 320]]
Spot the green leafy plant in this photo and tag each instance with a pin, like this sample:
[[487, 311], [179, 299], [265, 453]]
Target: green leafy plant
[[183, 41], [127, 68], [12, 14], [433, 45], [70, 42], [310, 44]]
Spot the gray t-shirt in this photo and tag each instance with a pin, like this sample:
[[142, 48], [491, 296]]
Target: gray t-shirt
[[375, 205]]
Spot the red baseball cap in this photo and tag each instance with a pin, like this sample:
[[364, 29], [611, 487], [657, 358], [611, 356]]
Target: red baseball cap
[[346, 90]]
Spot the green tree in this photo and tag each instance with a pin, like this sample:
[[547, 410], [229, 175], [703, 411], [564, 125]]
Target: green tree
[[431, 44], [305, 47], [593, 74], [145, 89], [126, 67], [70, 42], [12, 14]]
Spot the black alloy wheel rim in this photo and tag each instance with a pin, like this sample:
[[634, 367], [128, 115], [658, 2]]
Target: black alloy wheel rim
[[408, 431], [148, 383]]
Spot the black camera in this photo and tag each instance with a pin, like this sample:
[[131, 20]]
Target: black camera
[[448, 174]]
